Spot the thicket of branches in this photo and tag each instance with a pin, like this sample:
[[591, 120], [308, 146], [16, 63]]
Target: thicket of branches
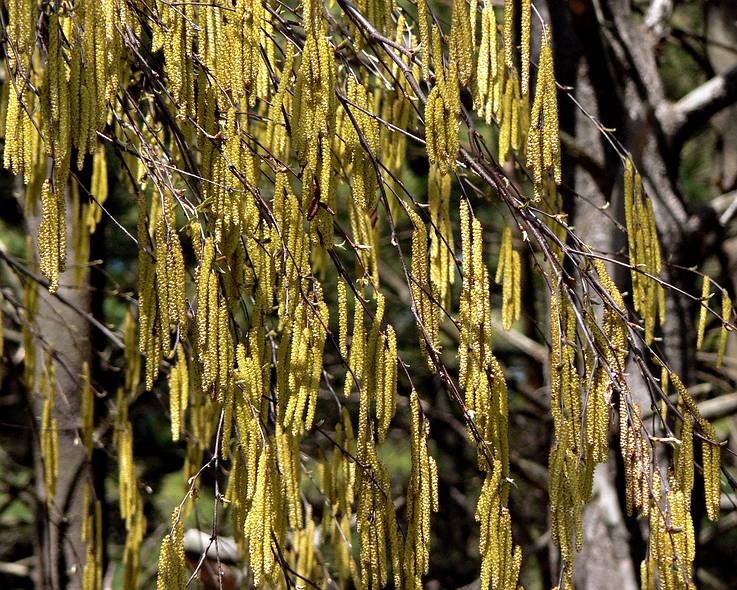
[[366, 294]]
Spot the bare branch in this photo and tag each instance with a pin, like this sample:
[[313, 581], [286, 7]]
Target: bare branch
[[695, 109]]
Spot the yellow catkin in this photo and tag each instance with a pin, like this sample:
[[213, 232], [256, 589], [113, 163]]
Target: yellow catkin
[[386, 400], [508, 273], [460, 44], [421, 499], [424, 37], [703, 311], [711, 458], [88, 409], [343, 318], [724, 332], [442, 113], [178, 392], [508, 34], [49, 431], [525, 50], [261, 519], [543, 138], [424, 296], [486, 64], [171, 557], [442, 269], [52, 235], [644, 252]]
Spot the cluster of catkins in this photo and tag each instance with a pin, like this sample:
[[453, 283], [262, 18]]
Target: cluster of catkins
[[238, 158]]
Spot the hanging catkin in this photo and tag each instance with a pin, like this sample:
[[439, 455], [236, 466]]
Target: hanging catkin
[[18, 129], [422, 499], [703, 310], [482, 377], [460, 44], [442, 267], [424, 293], [88, 409], [442, 113], [525, 49], [171, 574], [487, 70], [543, 139], [508, 273], [49, 430], [52, 235], [724, 332], [644, 252]]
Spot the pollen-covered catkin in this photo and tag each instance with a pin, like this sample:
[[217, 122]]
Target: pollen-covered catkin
[[724, 332], [52, 235], [508, 274], [421, 499], [543, 138], [487, 70], [424, 294], [442, 119], [171, 557], [703, 311], [88, 409], [49, 430]]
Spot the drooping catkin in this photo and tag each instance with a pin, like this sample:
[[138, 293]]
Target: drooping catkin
[[487, 69], [52, 235], [525, 49], [500, 558], [442, 268], [178, 392], [508, 272], [424, 293], [644, 252], [543, 139], [386, 395], [703, 311], [342, 318], [508, 34], [49, 430], [442, 120], [362, 143], [724, 332], [460, 44], [261, 519], [421, 499], [171, 574], [88, 409]]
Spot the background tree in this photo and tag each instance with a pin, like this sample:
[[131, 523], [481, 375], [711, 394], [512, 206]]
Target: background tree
[[360, 294]]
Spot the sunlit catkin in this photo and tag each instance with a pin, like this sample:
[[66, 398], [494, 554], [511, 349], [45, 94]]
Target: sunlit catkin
[[508, 272], [543, 139], [421, 499], [724, 332], [644, 252], [487, 70], [171, 573], [442, 112], [460, 44], [178, 392], [427, 314], [703, 311], [49, 431], [52, 235], [525, 49]]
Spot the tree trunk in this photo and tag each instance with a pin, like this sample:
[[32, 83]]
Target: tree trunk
[[63, 329]]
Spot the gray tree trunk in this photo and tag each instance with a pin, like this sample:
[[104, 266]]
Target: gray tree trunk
[[63, 329]]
